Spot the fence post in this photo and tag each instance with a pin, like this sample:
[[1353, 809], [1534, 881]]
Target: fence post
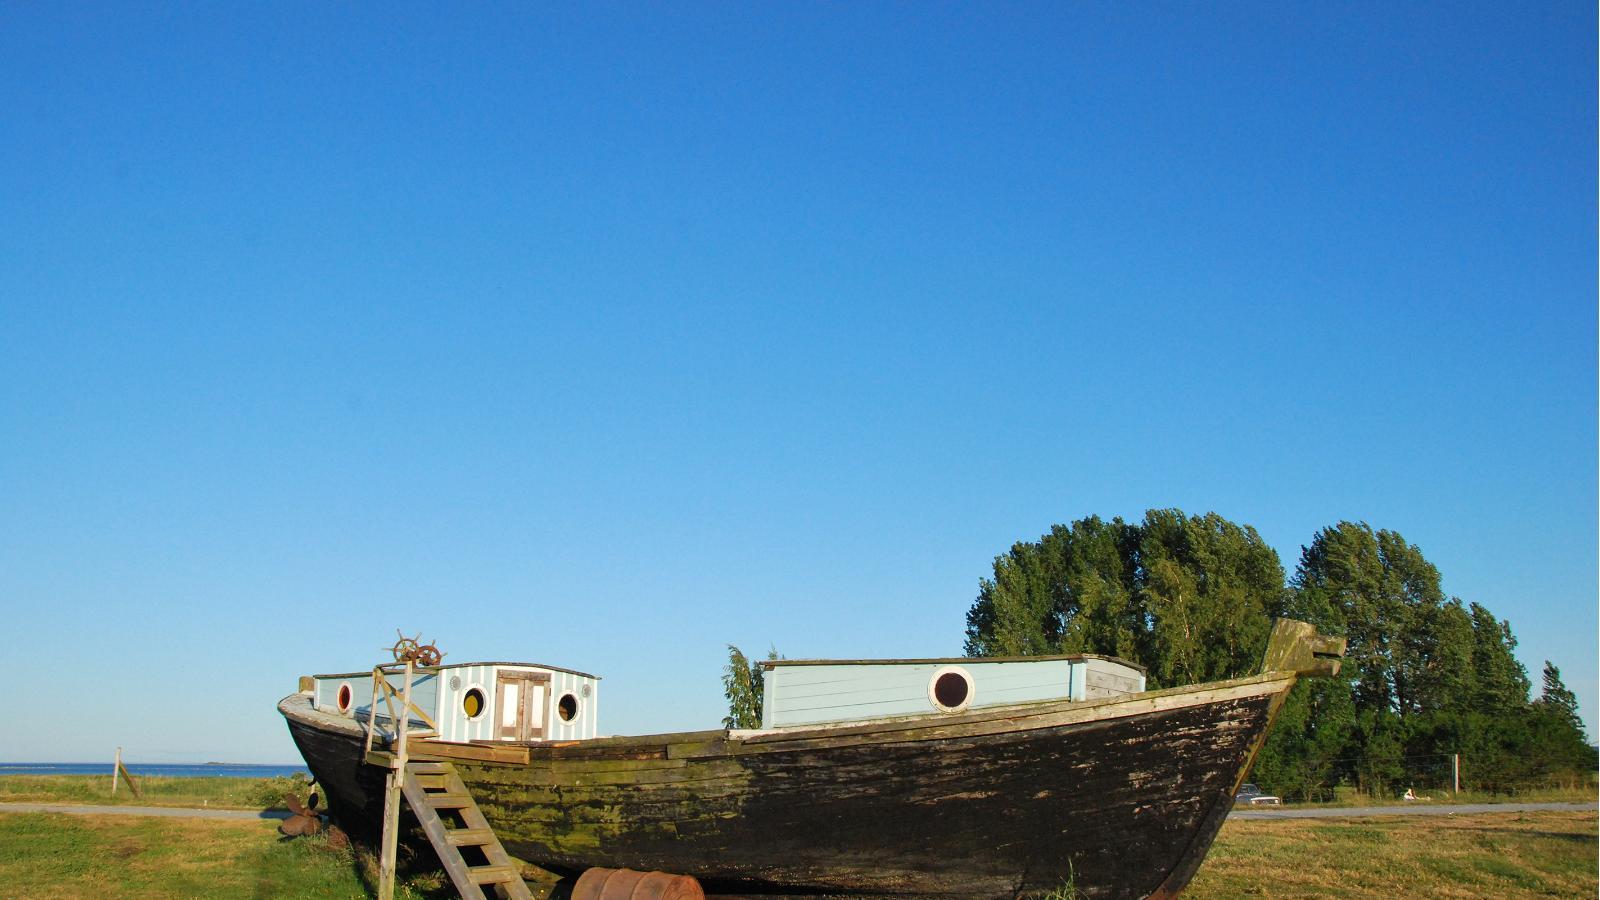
[[116, 769], [1455, 766]]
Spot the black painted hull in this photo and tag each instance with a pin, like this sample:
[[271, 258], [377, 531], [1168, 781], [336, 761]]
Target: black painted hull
[[1121, 798]]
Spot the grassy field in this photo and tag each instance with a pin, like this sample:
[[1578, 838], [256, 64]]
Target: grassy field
[[1538, 854], [227, 793], [1512, 855], [142, 858]]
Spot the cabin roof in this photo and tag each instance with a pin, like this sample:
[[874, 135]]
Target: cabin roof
[[462, 665], [948, 661]]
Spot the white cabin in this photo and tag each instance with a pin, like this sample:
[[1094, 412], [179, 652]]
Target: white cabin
[[489, 701], [824, 691]]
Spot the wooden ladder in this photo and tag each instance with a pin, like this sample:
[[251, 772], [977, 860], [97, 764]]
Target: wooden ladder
[[433, 788]]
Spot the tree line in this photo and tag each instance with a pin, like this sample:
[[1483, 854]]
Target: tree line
[[1192, 598]]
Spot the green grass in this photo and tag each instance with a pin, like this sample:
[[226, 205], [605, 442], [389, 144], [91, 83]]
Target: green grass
[[141, 858], [227, 793], [1502, 855]]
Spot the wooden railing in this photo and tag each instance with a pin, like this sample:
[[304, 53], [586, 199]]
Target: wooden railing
[[399, 716]]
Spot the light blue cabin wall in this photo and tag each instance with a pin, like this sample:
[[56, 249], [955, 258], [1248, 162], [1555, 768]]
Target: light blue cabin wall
[[453, 722], [587, 721], [424, 694], [823, 693], [454, 725], [814, 694]]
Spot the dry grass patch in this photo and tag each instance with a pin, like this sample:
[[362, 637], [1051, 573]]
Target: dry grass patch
[[1510, 855]]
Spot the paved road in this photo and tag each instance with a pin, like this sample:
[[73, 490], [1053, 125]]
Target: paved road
[[1414, 809], [170, 811]]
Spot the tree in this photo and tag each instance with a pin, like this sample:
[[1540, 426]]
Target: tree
[[1382, 594], [1557, 701], [1559, 731], [744, 686], [1502, 682], [1190, 597], [1211, 588], [1426, 676]]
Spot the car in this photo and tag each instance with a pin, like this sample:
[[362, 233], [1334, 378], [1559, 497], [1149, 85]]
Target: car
[[1250, 795]]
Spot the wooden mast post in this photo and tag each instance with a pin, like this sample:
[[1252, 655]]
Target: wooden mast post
[[393, 784]]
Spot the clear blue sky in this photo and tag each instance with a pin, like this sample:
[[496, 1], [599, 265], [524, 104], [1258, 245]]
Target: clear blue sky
[[605, 338]]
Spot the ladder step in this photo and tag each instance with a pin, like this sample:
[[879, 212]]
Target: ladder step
[[492, 874], [427, 768], [449, 801], [434, 782], [469, 837]]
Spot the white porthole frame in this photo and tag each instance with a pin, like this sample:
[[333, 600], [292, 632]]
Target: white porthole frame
[[347, 691], [933, 682], [577, 708], [482, 710]]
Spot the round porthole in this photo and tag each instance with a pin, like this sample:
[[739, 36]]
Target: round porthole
[[950, 689], [567, 707], [343, 699], [472, 703]]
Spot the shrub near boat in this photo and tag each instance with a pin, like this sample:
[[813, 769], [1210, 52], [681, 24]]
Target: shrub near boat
[[1122, 793]]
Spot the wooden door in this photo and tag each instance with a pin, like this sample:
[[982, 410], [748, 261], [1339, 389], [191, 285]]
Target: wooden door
[[520, 699]]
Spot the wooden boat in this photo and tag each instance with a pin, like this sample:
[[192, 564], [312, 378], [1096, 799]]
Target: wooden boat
[[1120, 797]]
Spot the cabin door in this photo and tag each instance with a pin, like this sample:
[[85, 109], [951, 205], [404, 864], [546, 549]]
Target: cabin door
[[520, 699]]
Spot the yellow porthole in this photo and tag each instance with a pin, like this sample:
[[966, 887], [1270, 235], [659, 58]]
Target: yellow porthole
[[472, 703]]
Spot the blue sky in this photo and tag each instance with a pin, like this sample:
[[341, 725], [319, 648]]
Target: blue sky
[[608, 337]]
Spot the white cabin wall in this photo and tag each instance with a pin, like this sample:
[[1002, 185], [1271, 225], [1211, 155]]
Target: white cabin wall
[[457, 680]]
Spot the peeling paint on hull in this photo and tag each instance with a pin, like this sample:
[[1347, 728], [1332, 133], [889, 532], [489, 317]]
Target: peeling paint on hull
[[1124, 797]]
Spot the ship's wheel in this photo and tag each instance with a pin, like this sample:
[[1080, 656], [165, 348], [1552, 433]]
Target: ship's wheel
[[405, 648], [409, 649]]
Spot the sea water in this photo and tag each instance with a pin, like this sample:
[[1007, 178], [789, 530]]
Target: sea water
[[208, 770]]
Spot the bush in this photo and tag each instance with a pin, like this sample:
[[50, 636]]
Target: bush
[[268, 793]]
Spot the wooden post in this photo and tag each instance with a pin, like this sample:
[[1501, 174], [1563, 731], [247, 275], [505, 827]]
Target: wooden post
[[393, 783], [1455, 760], [116, 769]]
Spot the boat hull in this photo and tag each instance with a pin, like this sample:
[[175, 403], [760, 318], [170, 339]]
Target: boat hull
[[1119, 798]]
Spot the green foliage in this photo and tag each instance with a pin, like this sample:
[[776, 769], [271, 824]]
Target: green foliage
[[1559, 730], [1190, 597], [1426, 677], [268, 793], [744, 686]]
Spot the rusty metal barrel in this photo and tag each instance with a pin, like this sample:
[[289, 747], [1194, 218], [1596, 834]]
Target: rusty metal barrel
[[626, 884]]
